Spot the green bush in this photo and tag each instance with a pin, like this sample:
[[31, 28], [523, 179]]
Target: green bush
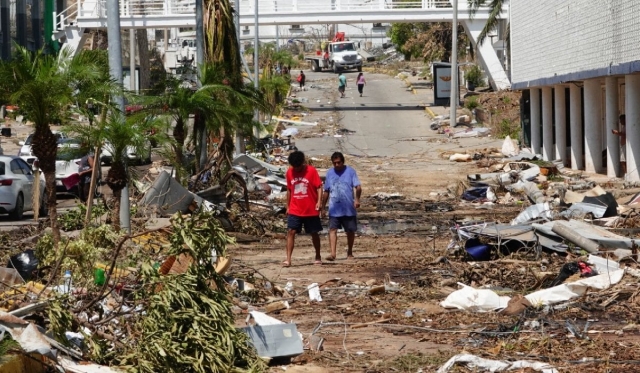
[[474, 76], [508, 128], [301, 57], [471, 102]]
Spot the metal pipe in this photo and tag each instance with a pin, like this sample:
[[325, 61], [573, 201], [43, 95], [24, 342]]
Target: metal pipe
[[239, 141], [454, 65], [256, 63], [132, 60], [575, 238], [115, 70]]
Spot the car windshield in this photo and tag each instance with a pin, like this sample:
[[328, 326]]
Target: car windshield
[[68, 149], [30, 138], [345, 47]]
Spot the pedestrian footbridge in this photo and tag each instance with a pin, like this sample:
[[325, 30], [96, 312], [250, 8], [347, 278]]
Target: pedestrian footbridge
[[82, 15]]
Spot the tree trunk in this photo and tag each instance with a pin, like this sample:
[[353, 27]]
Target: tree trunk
[[179, 136], [50, 182], [115, 213], [144, 58]]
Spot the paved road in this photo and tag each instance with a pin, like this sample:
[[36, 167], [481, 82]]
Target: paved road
[[383, 119]]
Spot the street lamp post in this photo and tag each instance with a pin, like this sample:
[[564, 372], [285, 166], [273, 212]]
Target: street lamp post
[[454, 66]]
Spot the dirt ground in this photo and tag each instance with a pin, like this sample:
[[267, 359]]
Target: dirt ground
[[403, 245]]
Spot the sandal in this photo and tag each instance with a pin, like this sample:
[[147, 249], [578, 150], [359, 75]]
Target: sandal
[[330, 258], [317, 263], [286, 264]]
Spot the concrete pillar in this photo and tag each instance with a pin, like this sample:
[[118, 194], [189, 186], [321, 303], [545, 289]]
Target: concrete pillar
[[575, 127], [5, 21], [536, 123], [21, 23], [613, 141], [592, 128], [36, 24], [560, 103], [632, 113], [547, 124]]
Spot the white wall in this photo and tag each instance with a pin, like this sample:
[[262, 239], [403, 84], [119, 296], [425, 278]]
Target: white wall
[[551, 37]]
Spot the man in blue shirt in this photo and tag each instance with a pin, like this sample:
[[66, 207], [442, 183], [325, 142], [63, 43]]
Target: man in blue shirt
[[339, 186]]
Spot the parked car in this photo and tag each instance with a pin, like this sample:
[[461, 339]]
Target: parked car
[[67, 163], [26, 152], [16, 187], [145, 158]]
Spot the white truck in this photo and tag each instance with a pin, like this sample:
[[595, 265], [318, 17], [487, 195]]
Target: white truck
[[337, 56]]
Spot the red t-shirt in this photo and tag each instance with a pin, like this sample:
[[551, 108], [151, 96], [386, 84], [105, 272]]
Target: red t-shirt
[[303, 187]]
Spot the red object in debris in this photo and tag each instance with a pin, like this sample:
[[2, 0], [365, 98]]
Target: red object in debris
[[585, 270], [71, 181]]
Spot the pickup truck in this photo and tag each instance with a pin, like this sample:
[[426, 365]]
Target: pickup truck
[[342, 55]]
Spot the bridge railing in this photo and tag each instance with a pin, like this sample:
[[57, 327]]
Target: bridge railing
[[151, 8]]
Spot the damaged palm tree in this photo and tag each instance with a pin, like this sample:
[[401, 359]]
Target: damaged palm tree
[[120, 135], [42, 85], [222, 53], [188, 325]]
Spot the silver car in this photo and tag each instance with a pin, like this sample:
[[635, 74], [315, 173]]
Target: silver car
[[17, 187]]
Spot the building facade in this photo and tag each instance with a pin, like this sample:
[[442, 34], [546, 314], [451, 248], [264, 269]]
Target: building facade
[[578, 65]]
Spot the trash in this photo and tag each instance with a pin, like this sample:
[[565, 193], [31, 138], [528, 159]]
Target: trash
[[314, 292], [477, 250], [572, 290], [291, 131], [71, 181], [475, 132], [294, 122], [289, 287], [281, 340], [277, 306], [460, 157], [488, 365], [479, 194], [534, 212], [478, 300], [26, 263], [509, 148]]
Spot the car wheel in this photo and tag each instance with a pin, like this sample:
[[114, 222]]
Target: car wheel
[[18, 212], [44, 210]]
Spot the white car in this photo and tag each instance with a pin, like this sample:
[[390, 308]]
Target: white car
[[106, 156], [26, 152], [16, 187]]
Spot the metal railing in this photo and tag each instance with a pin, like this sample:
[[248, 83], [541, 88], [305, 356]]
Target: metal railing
[[157, 8]]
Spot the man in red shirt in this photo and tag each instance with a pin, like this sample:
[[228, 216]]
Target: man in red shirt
[[304, 189]]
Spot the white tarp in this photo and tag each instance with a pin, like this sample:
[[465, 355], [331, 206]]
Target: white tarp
[[478, 300], [485, 300], [84, 367], [488, 365], [571, 290]]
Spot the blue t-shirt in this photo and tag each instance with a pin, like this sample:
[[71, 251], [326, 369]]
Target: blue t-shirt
[[342, 81], [340, 188]]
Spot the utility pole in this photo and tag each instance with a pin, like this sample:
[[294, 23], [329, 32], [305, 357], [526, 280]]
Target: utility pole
[[454, 66], [239, 143], [256, 64], [115, 70], [132, 60]]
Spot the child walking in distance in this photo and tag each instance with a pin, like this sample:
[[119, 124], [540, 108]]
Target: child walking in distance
[[301, 79], [361, 82], [342, 84], [304, 191]]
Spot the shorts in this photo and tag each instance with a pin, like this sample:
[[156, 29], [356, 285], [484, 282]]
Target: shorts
[[311, 224], [341, 88], [348, 223]]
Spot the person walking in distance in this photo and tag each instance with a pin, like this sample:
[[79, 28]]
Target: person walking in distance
[[340, 187], [623, 143], [361, 82], [301, 79], [304, 192], [342, 84]]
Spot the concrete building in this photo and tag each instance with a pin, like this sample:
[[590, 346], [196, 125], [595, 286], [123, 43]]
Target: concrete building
[[578, 65]]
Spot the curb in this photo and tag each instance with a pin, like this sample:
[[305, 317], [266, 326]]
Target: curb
[[429, 112]]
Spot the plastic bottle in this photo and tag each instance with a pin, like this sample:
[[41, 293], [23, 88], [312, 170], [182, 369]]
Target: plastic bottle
[[66, 282]]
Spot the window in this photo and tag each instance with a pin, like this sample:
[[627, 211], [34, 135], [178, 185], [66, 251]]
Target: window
[[377, 25], [295, 26], [15, 167]]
